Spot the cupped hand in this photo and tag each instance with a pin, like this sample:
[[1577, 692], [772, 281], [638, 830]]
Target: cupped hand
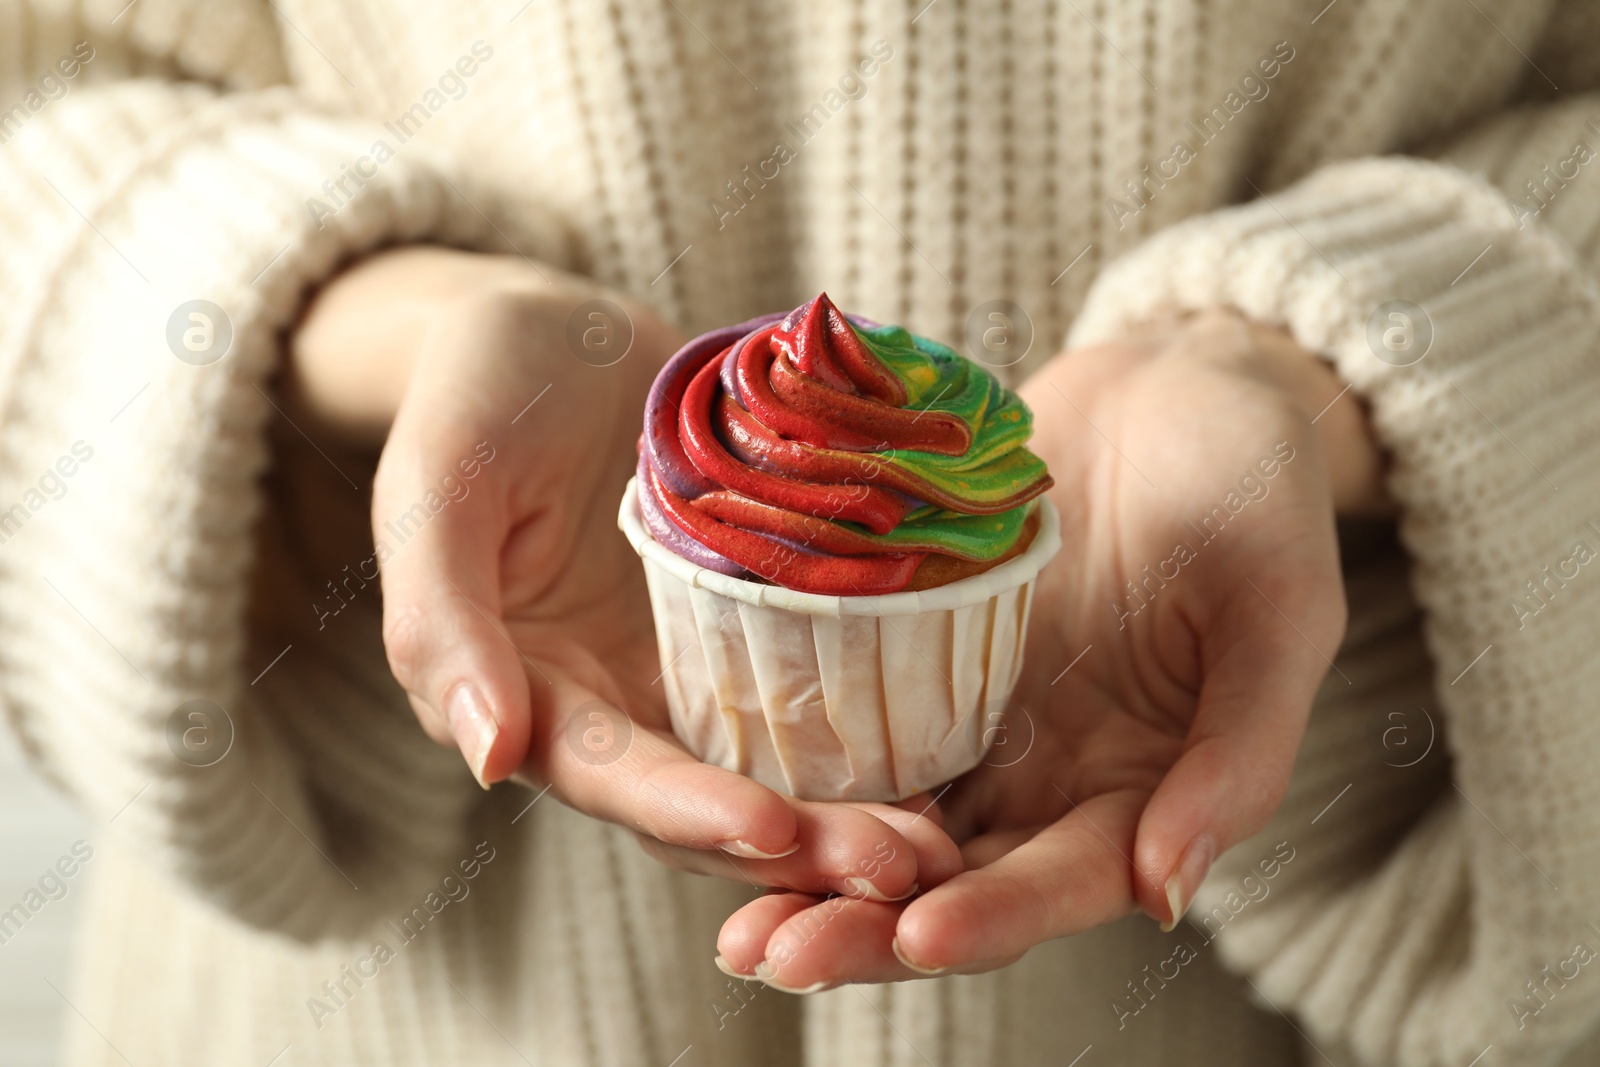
[[1176, 645], [515, 614]]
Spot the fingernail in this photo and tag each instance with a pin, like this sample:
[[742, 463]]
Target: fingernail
[[472, 726], [1187, 878], [901, 956], [768, 974], [862, 889], [745, 850], [725, 968]]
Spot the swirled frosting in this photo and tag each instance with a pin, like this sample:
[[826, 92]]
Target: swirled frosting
[[828, 454]]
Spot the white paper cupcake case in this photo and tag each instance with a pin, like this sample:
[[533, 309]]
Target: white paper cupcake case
[[839, 698]]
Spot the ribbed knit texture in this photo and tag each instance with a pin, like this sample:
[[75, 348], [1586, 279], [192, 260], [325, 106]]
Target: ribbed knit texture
[[996, 151]]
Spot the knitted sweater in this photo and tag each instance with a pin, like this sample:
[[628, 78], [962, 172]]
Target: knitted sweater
[[334, 889]]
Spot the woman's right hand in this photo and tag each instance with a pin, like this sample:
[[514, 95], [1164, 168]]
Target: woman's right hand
[[508, 399]]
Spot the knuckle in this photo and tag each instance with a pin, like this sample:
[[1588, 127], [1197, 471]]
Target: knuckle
[[516, 313], [405, 642]]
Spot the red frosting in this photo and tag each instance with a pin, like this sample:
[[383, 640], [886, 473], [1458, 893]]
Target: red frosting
[[761, 442]]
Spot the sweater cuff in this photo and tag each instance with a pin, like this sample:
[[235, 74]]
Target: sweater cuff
[[169, 239], [1474, 340], [1471, 338]]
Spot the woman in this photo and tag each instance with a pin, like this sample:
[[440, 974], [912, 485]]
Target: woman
[[252, 244]]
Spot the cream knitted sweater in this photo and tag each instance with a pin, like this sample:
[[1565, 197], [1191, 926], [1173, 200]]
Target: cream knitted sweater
[[335, 890]]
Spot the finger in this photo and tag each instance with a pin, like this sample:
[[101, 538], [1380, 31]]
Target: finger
[[984, 849], [800, 943], [439, 560], [1241, 748], [1072, 875], [923, 804], [432, 722], [871, 852], [837, 940], [937, 858], [600, 762], [742, 941]]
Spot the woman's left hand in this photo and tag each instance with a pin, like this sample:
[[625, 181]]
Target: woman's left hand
[[1176, 645]]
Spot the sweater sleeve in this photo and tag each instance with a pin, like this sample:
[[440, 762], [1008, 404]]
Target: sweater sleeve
[[1457, 296], [159, 236]]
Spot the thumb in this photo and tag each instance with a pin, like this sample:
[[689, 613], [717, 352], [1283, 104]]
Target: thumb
[[1261, 675], [443, 630]]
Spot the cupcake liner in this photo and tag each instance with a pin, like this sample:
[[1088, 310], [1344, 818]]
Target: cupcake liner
[[839, 698]]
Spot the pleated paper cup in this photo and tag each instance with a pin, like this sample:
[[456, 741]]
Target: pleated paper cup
[[839, 697]]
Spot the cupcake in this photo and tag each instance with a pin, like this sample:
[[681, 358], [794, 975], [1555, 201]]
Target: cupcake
[[841, 524]]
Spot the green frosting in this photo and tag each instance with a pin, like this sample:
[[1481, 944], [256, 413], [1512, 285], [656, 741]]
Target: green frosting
[[974, 537], [939, 379]]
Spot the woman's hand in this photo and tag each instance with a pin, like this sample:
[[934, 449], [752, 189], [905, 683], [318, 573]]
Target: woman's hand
[[515, 614], [1176, 645]]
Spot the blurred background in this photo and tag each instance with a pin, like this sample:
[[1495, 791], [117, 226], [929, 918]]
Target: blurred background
[[38, 827]]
